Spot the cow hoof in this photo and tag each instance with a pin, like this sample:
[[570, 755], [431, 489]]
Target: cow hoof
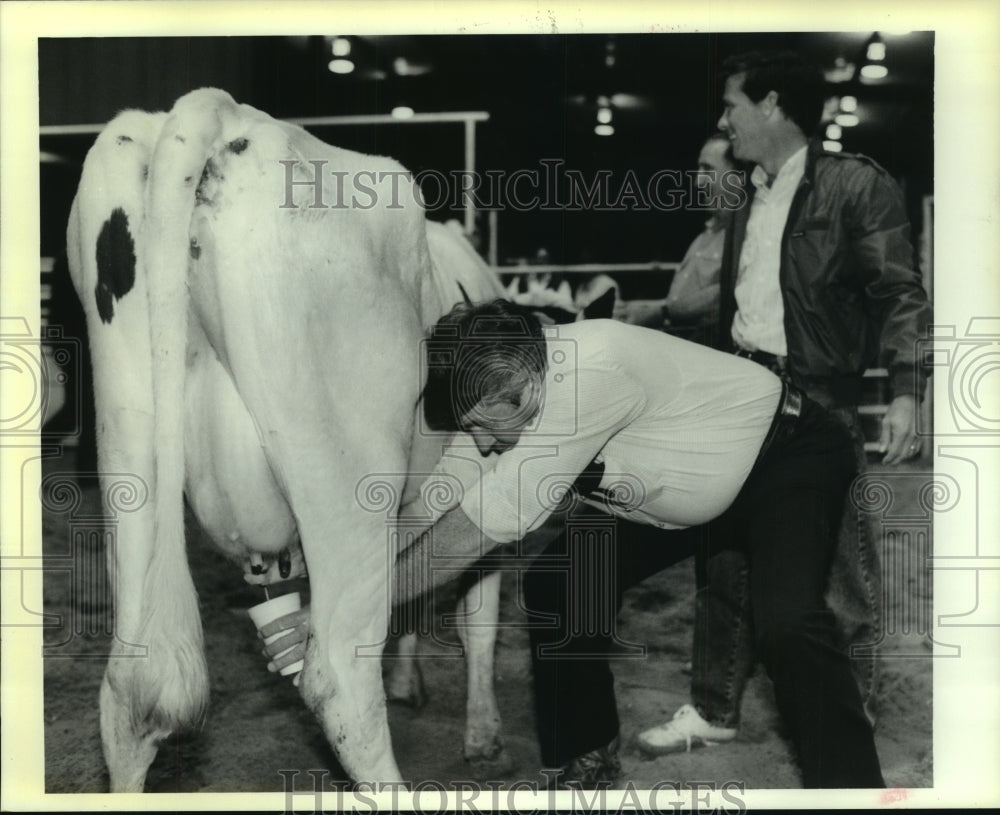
[[409, 692]]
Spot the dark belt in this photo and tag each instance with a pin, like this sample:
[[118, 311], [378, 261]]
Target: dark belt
[[785, 417], [772, 362]]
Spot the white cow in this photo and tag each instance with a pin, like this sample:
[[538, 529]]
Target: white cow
[[263, 360]]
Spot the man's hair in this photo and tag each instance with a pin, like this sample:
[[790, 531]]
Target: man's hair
[[481, 353], [799, 85]]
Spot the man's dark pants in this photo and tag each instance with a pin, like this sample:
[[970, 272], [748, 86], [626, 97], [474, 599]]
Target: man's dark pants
[[785, 519]]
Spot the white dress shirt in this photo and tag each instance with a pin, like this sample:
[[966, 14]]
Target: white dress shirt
[[677, 425], [759, 321]]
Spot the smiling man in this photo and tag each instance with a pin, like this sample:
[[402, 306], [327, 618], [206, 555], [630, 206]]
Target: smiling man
[[818, 284], [701, 449]]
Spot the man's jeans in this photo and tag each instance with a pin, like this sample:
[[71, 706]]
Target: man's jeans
[[723, 656]]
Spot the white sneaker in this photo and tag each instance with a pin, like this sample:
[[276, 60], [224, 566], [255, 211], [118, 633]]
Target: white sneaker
[[685, 730]]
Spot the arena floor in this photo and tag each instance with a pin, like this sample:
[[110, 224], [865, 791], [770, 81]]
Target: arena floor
[[258, 725]]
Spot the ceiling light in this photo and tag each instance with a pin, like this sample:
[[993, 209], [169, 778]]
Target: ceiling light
[[846, 119], [341, 66], [604, 115], [604, 130], [832, 146], [876, 51], [842, 71], [848, 104], [874, 72], [340, 46], [402, 112], [401, 66], [833, 132]]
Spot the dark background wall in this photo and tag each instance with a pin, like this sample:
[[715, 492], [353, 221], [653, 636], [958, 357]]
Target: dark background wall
[[540, 92]]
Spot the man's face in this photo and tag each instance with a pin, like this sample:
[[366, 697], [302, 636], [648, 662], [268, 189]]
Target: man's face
[[744, 120], [496, 427], [712, 164]]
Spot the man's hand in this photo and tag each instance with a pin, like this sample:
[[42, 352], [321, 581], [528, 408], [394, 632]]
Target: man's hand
[[648, 313], [297, 624], [899, 439]]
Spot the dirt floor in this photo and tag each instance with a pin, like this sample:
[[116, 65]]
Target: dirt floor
[[258, 725]]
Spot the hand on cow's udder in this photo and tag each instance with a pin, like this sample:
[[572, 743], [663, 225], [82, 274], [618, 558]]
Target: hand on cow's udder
[[292, 646]]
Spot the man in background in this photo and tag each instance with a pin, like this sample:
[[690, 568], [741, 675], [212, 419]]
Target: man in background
[[691, 307]]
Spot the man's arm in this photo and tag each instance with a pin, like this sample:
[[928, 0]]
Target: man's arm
[[693, 300], [694, 292], [895, 289], [439, 554]]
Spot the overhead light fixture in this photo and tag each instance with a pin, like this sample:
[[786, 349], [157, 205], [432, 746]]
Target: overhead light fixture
[[876, 51], [874, 72], [848, 104], [402, 112], [834, 131], [609, 54], [832, 146], [401, 66], [604, 115], [842, 71], [341, 46], [604, 130], [846, 119], [340, 65]]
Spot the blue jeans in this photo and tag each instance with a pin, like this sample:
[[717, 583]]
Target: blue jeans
[[723, 655], [785, 521]]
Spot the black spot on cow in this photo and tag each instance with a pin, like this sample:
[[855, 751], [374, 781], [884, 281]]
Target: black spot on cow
[[238, 146], [124, 139], [180, 138], [194, 249], [203, 193], [115, 263]]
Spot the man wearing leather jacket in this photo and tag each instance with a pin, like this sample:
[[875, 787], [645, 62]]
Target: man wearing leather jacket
[[818, 283]]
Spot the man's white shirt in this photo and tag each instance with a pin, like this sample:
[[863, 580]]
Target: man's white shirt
[[759, 321], [677, 426]]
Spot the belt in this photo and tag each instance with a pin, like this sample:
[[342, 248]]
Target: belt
[[789, 410], [772, 362]]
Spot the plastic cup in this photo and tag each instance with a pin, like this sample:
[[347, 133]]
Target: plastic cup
[[265, 612]]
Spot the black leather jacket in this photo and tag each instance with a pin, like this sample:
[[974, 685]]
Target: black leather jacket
[[853, 298]]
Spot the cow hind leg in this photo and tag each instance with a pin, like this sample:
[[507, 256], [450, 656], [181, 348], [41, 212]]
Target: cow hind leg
[[156, 682], [404, 681], [349, 617], [478, 611]]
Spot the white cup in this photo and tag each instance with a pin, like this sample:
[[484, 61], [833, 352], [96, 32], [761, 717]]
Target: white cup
[[265, 612]]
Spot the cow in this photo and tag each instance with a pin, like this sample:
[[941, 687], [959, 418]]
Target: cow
[[256, 349]]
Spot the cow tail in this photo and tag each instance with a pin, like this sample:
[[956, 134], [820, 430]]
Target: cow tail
[[171, 690]]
